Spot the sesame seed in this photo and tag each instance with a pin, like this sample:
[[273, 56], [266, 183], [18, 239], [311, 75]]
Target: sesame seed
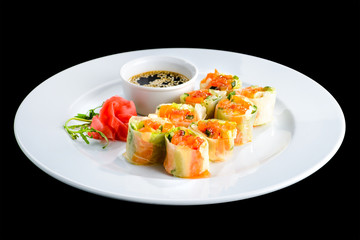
[[158, 79]]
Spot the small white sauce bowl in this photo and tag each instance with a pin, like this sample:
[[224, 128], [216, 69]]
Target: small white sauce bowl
[[147, 99]]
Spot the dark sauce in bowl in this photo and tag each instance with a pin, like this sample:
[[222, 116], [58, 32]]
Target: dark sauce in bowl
[[159, 79]]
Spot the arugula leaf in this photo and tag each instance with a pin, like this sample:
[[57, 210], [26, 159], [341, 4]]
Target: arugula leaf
[[90, 114]]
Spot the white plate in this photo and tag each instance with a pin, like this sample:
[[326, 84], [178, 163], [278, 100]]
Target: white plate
[[308, 129]]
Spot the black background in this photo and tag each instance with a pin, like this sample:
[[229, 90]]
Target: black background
[[319, 40]]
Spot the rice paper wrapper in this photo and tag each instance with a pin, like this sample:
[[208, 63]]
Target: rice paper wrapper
[[244, 125], [144, 148], [184, 162], [219, 149], [210, 102], [265, 108], [198, 110]]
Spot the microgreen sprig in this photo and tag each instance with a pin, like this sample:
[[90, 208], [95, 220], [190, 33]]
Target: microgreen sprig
[[82, 130]]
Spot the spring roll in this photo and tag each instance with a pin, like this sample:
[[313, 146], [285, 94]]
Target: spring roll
[[239, 109], [145, 140], [187, 154], [222, 82], [206, 97], [220, 136], [181, 114], [264, 98]]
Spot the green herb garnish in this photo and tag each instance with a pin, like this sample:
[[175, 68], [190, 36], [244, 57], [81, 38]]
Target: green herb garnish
[[82, 130], [253, 111], [231, 94], [233, 84], [171, 134], [91, 113], [189, 117], [267, 88], [208, 133]]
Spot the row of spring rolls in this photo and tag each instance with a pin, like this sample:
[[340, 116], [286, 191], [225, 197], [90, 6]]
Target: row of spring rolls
[[184, 152], [206, 126]]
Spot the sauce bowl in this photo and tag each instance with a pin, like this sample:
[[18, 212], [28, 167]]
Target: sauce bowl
[[146, 99]]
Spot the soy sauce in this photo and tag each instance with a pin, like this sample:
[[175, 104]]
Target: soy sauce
[[158, 79]]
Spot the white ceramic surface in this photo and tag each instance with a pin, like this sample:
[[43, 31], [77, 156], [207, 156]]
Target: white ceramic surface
[[300, 140], [147, 99]]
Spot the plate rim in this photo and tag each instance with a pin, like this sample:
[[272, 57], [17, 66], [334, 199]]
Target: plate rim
[[218, 199]]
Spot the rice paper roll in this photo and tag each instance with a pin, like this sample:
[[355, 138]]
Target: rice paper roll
[[220, 135], [239, 109], [181, 115], [187, 154], [221, 82], [264, 98], [206, 97], [145, 143]]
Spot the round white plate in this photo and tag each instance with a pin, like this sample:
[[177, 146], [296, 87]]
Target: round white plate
[[307, 130]]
